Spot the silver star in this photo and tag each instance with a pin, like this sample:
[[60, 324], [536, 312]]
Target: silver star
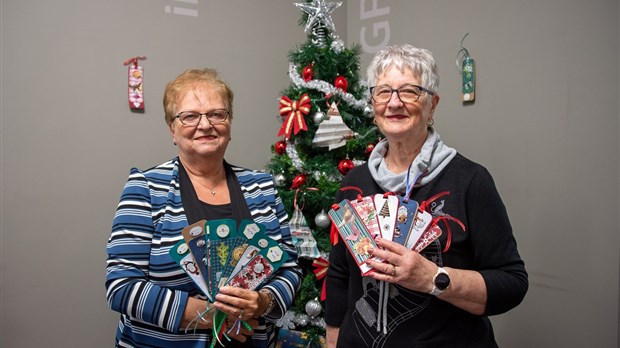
[[319, 12]]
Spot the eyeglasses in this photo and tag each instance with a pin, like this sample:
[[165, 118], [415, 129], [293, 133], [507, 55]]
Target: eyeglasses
[[406, 93], [192, 118]]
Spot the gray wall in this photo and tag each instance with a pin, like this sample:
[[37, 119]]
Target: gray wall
[[545, 123], [69, 139]]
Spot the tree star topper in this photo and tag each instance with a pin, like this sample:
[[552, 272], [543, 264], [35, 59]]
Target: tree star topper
[[318, 12]]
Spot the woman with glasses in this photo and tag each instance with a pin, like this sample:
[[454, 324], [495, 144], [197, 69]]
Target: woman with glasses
[[441, 295], [159, 303]]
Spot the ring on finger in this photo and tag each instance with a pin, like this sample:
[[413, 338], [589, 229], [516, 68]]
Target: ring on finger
[[241, 313], [393, 270]]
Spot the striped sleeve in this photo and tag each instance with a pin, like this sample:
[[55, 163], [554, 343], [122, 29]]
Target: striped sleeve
[[128, 289], [267, 208]]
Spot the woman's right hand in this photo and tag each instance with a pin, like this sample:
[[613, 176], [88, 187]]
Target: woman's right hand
[[195, 306]]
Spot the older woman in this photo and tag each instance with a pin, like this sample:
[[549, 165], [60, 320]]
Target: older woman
[[156, 299], [438, 297]]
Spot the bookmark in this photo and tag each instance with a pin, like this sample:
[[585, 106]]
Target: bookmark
[[242, 252], [387, 205], [220, 235], [422, 220], [354, 233], [135, 82], [365, 209], [468, 73], [181, 255], [195, 238], [262, 266]]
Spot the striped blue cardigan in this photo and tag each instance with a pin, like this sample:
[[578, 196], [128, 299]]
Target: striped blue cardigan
[[144, 283]]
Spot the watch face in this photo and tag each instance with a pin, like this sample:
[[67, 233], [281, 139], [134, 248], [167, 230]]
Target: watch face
[[442, 281]]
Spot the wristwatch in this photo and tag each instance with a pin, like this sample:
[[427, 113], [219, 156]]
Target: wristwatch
[[271, 304], [441, 281]]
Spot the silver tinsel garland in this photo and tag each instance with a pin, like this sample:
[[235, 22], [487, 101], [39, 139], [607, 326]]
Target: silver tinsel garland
[[291, 320], [327, 88]]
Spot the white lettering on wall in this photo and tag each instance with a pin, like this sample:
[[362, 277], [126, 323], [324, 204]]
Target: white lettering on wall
[[183, 11], [380, 35]]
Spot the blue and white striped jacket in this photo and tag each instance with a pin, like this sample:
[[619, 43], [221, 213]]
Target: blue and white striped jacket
[[144, 283]]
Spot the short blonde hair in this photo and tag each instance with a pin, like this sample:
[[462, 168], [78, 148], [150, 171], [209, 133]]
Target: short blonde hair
[[193, 78]]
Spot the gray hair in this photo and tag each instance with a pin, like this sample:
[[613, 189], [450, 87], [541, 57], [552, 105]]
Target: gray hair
[[419, 60]]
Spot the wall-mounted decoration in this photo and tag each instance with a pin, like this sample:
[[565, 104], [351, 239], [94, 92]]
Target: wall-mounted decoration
[[135, 81], [465, 64]]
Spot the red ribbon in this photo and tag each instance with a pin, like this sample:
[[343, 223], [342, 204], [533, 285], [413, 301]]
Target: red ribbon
[[333, 235], [294, 111], [320, 270], [134, 61], [443, 218]]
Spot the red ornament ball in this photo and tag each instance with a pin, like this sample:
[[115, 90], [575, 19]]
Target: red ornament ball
[[280, 147], [345, 166], [307, 73], [369, 149], [341, 83], [299, 181]]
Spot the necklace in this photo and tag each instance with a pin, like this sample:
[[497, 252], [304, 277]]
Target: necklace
[[212, 190], [200, 180]]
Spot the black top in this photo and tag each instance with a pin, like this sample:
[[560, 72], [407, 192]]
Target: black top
[[197, 210], [421, 320]]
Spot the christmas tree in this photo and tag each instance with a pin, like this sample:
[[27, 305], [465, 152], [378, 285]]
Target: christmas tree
[[326, 130]]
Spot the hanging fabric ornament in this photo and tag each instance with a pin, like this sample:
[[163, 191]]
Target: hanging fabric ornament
[[307, 72], [136, 77], [322, 219], [466, 68], [302, 234], [333, 132], [341, 83], [345, 166], [313, 308], [293, 112], [280, 147]]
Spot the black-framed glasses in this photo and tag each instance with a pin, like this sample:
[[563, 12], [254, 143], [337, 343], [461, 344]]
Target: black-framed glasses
[[192, 118], [406, 93]]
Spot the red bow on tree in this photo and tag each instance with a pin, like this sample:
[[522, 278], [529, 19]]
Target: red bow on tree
[[320, 269], [293, 111]]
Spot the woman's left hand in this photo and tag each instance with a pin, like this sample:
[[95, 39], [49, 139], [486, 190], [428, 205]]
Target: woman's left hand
[[402, 266], [238, 303]]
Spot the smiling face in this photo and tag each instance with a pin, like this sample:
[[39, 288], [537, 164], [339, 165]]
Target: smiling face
[[400, 121], [205, 139]]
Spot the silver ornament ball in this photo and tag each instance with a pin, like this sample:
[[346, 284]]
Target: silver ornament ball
[[279, 179], [321, 219], [318, 117], [313, 308]]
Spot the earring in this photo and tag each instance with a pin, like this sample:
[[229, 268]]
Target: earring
[[174, 142], [430, 122]]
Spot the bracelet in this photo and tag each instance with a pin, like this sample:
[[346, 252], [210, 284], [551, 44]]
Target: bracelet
[[271, 304]]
